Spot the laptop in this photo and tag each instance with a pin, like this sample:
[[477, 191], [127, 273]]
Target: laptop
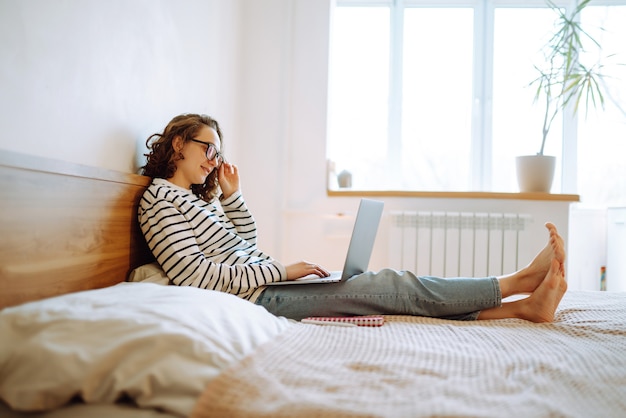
[[359, 250]]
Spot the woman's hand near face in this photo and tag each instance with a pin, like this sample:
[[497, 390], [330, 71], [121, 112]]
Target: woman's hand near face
[[228, 178], [303, 268]]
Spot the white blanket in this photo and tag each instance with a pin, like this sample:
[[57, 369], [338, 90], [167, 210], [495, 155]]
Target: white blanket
[[413, 367]]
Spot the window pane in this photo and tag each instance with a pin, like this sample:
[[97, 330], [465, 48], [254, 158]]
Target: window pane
[[359, 92], [437, 99], [602, 134], [519, 35]]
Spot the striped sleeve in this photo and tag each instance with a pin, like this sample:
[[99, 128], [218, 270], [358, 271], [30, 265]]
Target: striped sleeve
[[237, 212], [196, 247]]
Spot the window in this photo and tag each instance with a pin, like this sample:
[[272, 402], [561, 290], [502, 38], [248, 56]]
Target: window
[[435, 128], [602, 135], [360, 89], [516, 122], [427, 95]]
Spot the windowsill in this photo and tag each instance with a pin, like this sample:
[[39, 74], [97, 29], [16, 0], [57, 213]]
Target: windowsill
[[455, 195]]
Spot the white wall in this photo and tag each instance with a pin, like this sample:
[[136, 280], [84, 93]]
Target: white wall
[[264, 112], [88, 80], [283, 117], [588, 247]]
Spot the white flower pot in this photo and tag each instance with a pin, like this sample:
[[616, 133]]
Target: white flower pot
[[535, 172]]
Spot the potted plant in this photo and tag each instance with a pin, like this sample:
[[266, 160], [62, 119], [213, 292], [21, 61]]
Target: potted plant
[[562, 82]]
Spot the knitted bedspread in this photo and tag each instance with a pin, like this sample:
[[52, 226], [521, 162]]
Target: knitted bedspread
[[414, 367]]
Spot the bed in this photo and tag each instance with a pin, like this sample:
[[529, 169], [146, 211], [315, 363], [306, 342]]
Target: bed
[[89, 327]]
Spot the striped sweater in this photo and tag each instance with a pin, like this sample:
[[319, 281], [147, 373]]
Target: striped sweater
[[205, 245]]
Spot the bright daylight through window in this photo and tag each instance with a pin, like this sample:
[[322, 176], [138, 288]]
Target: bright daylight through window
[[431, 97]]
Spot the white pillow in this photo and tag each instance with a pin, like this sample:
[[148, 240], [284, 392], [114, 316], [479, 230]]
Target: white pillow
[[150, 273], [160, 345]]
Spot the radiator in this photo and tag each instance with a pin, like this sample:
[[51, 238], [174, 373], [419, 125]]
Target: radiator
[[449, 244]]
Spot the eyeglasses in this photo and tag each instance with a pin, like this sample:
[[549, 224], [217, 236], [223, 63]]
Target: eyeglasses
[[211, 152]]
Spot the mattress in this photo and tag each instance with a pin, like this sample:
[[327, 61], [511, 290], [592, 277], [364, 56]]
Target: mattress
[[414, 367]]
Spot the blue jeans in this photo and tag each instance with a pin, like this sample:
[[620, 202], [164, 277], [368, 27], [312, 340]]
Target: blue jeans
[[388, 292]]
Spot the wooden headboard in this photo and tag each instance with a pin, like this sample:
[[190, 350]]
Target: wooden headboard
[[65, 227]]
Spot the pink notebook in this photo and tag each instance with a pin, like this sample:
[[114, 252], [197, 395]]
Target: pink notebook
[[361, 321]]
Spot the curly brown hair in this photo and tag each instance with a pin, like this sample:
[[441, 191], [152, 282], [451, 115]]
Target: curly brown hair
[[161, 157]]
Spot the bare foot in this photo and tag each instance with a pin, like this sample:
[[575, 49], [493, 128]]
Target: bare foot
[[530, 277], [556, 242], [541, 305]]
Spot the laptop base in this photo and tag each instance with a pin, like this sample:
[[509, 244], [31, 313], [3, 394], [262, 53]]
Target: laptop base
[[335, 277]]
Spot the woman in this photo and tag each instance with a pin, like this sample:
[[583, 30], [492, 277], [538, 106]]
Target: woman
[[200, 242]]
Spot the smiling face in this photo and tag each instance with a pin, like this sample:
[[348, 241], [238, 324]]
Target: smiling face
[[194, 168]]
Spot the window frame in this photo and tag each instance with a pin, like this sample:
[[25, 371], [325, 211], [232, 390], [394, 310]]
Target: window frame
[[481, 125]]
